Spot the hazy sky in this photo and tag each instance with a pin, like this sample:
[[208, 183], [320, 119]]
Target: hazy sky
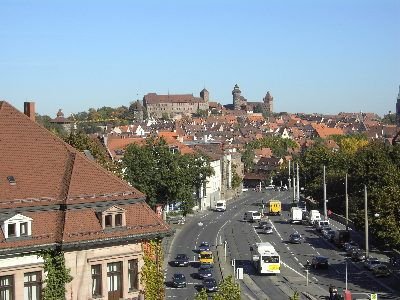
[[323, 56]]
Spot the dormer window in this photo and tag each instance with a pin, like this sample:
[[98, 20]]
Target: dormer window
[[118, 220], [23, 228], [11, 230], [108, 220], [113, 217], [17, 226]]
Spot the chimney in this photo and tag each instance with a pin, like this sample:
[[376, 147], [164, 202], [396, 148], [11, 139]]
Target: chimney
[[29, 110]]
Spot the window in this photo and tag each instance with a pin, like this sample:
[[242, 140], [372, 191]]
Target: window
[[133, 275], [108, 220], [96, 281], [7, 287], [32, 286], [114, 277], [23, 228], [11, 230], [118, 220]]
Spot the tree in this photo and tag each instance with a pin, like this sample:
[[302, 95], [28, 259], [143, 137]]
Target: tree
[[295, 296], [82, 141], [202, 295], [228, 289], [165, 176]]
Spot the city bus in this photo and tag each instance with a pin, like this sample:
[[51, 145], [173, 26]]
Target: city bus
[[265, 258]]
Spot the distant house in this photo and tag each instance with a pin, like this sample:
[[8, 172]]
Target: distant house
[[53, 197]]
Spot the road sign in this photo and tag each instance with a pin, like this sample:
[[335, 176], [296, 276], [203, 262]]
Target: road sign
[[239, 273], [374, 296]]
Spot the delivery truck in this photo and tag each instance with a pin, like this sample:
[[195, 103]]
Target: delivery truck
[[274, 207], [220, 205], [296, 215]]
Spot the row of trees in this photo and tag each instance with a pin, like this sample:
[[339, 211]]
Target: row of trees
[[371, 163]]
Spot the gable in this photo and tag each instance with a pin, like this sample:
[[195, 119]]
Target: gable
[[18, 218]]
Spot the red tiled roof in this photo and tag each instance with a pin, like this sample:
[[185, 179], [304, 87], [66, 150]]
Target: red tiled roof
[[47, 172]]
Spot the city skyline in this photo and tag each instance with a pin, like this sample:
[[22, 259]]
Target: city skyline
[[313, 57]]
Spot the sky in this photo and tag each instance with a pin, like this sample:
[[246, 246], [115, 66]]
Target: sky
[[325, 56]]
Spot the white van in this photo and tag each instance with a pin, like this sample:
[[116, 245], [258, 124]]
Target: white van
[[296, 215], [220, 205], [314, 216], [252, 216], [321, 224]]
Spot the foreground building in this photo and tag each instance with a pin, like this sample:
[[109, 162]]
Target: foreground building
[[53, 197]]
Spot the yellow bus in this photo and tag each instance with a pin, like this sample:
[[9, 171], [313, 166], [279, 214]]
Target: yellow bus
[[206, 257]]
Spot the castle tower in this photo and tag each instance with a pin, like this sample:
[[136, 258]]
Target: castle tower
[[398, 109], [268, 103], [236, 93], [205, 95]]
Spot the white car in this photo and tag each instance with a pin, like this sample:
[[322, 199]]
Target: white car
[[270, 187]]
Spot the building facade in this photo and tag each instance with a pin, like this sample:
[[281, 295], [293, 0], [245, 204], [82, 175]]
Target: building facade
[[158, 106], [54, 198]]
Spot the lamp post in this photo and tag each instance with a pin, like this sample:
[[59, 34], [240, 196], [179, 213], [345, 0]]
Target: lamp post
[[347, 207], [325, 212], [366, 222]]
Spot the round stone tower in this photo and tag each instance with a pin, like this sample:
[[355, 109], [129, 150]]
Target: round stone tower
[[237, 101]]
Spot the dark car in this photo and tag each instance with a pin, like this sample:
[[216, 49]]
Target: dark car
[[381, 270], [179, 280], [204, 246], [181, 260], [295, 238], [358, 255], [347, 246], [205, 271], [329, 235], [370, 262], [210, 284], [318, 262]]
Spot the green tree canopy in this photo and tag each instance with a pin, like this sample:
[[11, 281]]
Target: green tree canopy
[[228, 289], [163, 175]]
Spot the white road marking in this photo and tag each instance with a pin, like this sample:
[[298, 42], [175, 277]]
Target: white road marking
[[295, 258]]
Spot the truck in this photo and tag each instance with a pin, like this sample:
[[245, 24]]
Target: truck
[[296, 215], [341, 237], [274, 207], [314, 216], [265, 258], [220, 205]]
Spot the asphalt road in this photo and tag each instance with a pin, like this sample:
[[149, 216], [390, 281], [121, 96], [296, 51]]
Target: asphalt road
[[239, 235]]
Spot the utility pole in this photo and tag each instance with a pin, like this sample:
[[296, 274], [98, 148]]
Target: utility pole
[[347, 207], [294, 186], [366, 221], [325, 212], [289, 174], [298, 184]]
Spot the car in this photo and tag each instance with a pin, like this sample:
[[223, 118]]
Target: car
[[262, 224], [319, 261], [381, 270], [245, 189], [268, 229], [181, 260], [284, 188], [205, 271], [329, 234], [204, 246], [351, 248], [179, 280], [210, 284], [358, 255], [324, 230], [270, 187], [295, 238], [349, 245], [370, 262]]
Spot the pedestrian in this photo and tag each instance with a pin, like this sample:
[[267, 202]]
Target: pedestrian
[[330, 292]]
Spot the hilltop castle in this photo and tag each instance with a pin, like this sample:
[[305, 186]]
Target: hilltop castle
[[241, 103]]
